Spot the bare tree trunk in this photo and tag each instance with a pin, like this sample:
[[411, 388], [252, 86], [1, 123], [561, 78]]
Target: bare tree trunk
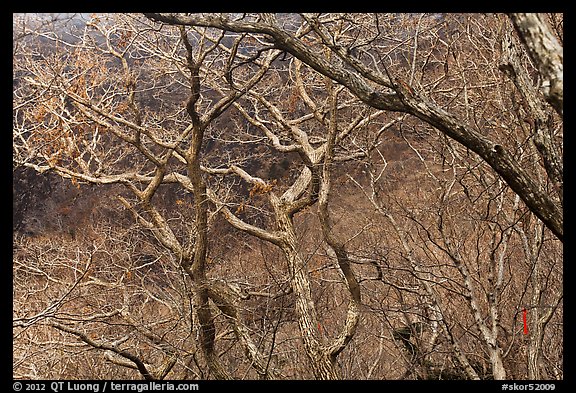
[[323, 364], [536, 106], [546, 52], [534, 350], [540, 314], [196, 268], [334, 243], [488, 334]]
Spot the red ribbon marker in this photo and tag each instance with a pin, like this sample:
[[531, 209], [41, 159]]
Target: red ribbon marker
[[524, 318]]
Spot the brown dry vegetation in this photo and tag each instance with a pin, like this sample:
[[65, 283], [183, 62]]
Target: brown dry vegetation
[[207, 210]]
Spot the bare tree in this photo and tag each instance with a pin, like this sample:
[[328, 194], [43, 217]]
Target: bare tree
[[291, 196], [372, 79], [90, 128], [314, 136]]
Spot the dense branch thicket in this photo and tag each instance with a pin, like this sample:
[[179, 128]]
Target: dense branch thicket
[[294, 196]]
